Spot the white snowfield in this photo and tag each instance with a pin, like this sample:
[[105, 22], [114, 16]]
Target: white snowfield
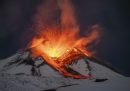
[[17, 77]]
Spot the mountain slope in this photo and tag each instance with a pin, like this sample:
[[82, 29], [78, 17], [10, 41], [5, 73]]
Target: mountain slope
[[16, 75]]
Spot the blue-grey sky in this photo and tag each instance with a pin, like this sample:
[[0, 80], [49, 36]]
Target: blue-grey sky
[[113, 15]]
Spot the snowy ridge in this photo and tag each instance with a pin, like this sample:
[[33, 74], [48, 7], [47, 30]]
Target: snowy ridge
[[16, 75]]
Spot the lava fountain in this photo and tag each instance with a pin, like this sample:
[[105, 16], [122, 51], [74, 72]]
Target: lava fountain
[[62, 45]]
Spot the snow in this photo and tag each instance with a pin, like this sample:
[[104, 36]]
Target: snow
[[15, 68], [18, 77], [80, 67], [115, 82], [30, 83]]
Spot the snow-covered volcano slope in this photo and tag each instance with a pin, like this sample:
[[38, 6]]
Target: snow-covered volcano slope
[[16, 75], [115, 82]]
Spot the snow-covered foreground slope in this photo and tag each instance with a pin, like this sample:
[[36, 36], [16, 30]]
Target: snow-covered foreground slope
[[17, 77], [31, 83], [115, 82]]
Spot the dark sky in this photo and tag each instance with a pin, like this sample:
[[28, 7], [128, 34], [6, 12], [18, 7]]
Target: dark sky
[[113, 15]]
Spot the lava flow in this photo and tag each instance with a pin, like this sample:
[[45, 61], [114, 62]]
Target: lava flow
[[62, 45]]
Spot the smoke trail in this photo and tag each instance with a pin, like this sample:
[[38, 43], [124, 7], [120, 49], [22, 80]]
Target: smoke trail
[[47, 14], [58, 16], [55, 13], [67, 18]]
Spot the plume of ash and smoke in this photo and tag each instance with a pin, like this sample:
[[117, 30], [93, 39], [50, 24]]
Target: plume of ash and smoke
[[61, 14]]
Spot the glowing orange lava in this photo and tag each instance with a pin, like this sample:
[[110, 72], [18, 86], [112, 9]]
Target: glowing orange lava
[[53, 42]]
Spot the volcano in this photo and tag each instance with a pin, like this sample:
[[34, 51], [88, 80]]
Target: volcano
[[61, 45], [59, 58], [21, 72]]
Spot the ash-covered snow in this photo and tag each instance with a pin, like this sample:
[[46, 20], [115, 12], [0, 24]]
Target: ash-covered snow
[[18, 77]]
